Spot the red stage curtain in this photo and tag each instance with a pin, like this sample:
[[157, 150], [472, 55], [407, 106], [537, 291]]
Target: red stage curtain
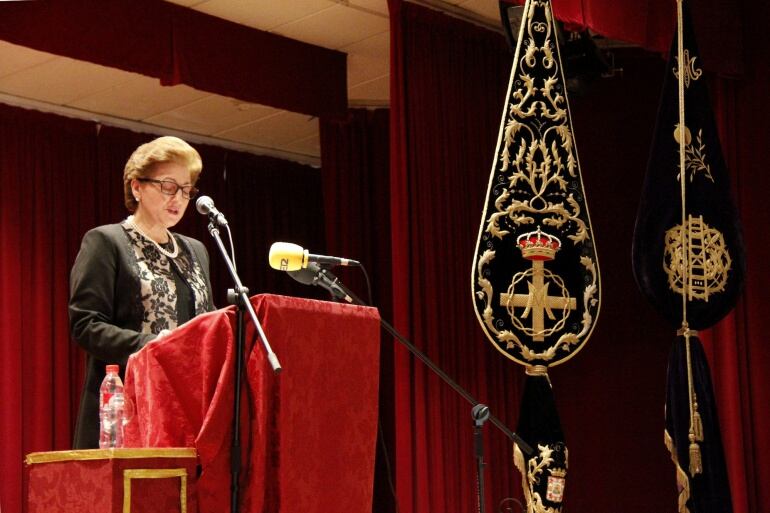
[[61, 177], [448, 83], [355, 167], [355, 173], [737, 348]]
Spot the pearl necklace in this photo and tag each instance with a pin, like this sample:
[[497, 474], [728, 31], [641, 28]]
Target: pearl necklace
[[170, 254]]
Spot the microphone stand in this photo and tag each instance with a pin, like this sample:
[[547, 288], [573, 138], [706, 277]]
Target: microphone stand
[[239, 297], [338, 290], [480, 412]]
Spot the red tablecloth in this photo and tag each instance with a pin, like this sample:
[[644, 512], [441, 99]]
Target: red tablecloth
[[111, 481], [308, 434]]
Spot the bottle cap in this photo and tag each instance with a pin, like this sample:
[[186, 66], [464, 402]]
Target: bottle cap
[[113, 368]]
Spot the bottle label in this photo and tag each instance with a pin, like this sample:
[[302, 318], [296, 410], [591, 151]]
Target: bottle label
[[106, 396]]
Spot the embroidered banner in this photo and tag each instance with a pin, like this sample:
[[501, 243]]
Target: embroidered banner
[[688, 259], [535, 277]]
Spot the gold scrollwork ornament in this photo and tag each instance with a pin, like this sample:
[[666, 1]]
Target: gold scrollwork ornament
[[691, 71], [706, 264]]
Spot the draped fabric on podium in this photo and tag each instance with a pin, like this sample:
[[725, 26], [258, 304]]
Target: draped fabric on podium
[[308, 434]]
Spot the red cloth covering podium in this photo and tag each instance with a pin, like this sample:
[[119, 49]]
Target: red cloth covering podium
[[111, 481], [308, 434]]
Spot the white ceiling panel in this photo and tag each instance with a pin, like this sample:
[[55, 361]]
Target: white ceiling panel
[[326, 28], [262, 14], [305, 146], [14, 58], [138, 98], [486, 8], [373, 91], [211, 114], [61, 80], [378, 6], [274, 131], [368, 59]]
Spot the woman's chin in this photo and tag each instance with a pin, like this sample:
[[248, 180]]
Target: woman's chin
[[171, 220]]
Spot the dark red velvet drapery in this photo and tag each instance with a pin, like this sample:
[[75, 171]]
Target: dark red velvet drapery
[[355, 172], [61, 177], [356, 180], [448, 82], [737, 348]]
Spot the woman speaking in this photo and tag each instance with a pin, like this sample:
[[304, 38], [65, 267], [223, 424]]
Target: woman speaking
[[135, 280]]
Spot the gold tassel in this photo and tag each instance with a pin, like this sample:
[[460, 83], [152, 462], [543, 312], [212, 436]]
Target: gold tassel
[[696, 466], [697, 426]]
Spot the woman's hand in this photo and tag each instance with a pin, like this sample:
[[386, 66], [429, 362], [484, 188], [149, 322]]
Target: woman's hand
[[162, 334]]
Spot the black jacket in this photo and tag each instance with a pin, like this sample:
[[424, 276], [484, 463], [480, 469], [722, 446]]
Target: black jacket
[[106, 312]]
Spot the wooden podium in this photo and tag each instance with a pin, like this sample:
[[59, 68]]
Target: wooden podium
[[112, 480], [308, 434]]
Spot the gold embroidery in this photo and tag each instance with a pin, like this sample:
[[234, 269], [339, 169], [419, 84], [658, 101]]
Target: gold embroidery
[[545, 155], [510, 339], [695, 156], [100, 454], [154, 473], [706, 265], [691, 72], [531, 472], [537, 313], [538, 248], [682, 481]]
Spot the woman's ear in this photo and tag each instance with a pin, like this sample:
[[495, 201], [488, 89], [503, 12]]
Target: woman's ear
[[135, 189]]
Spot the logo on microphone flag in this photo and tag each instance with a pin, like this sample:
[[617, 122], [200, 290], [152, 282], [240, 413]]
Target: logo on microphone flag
[[688, 260], [535, 277]]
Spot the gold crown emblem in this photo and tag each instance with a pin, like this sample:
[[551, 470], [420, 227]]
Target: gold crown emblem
[[558, 472], [538, 245]]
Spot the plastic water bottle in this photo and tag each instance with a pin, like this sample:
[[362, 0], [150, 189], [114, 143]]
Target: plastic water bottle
[[111, 402]]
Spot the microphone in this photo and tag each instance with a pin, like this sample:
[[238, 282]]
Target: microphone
[[285, 256], [205, 205], [313, 274]]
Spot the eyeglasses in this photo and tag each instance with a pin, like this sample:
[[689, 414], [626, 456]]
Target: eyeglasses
[[170, 187]]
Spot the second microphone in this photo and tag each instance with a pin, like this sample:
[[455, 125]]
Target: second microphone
[[285, 256]]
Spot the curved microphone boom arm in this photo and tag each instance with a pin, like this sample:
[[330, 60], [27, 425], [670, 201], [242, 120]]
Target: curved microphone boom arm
[[315, 274]]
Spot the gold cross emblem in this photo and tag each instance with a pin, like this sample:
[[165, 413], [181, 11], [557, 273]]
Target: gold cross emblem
[[537, 301]]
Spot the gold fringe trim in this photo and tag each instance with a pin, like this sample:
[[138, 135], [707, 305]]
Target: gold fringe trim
[[520, 463], [682, 481], [101, 454]]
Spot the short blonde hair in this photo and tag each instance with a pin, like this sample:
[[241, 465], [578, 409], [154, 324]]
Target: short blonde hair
[[162, 149]]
